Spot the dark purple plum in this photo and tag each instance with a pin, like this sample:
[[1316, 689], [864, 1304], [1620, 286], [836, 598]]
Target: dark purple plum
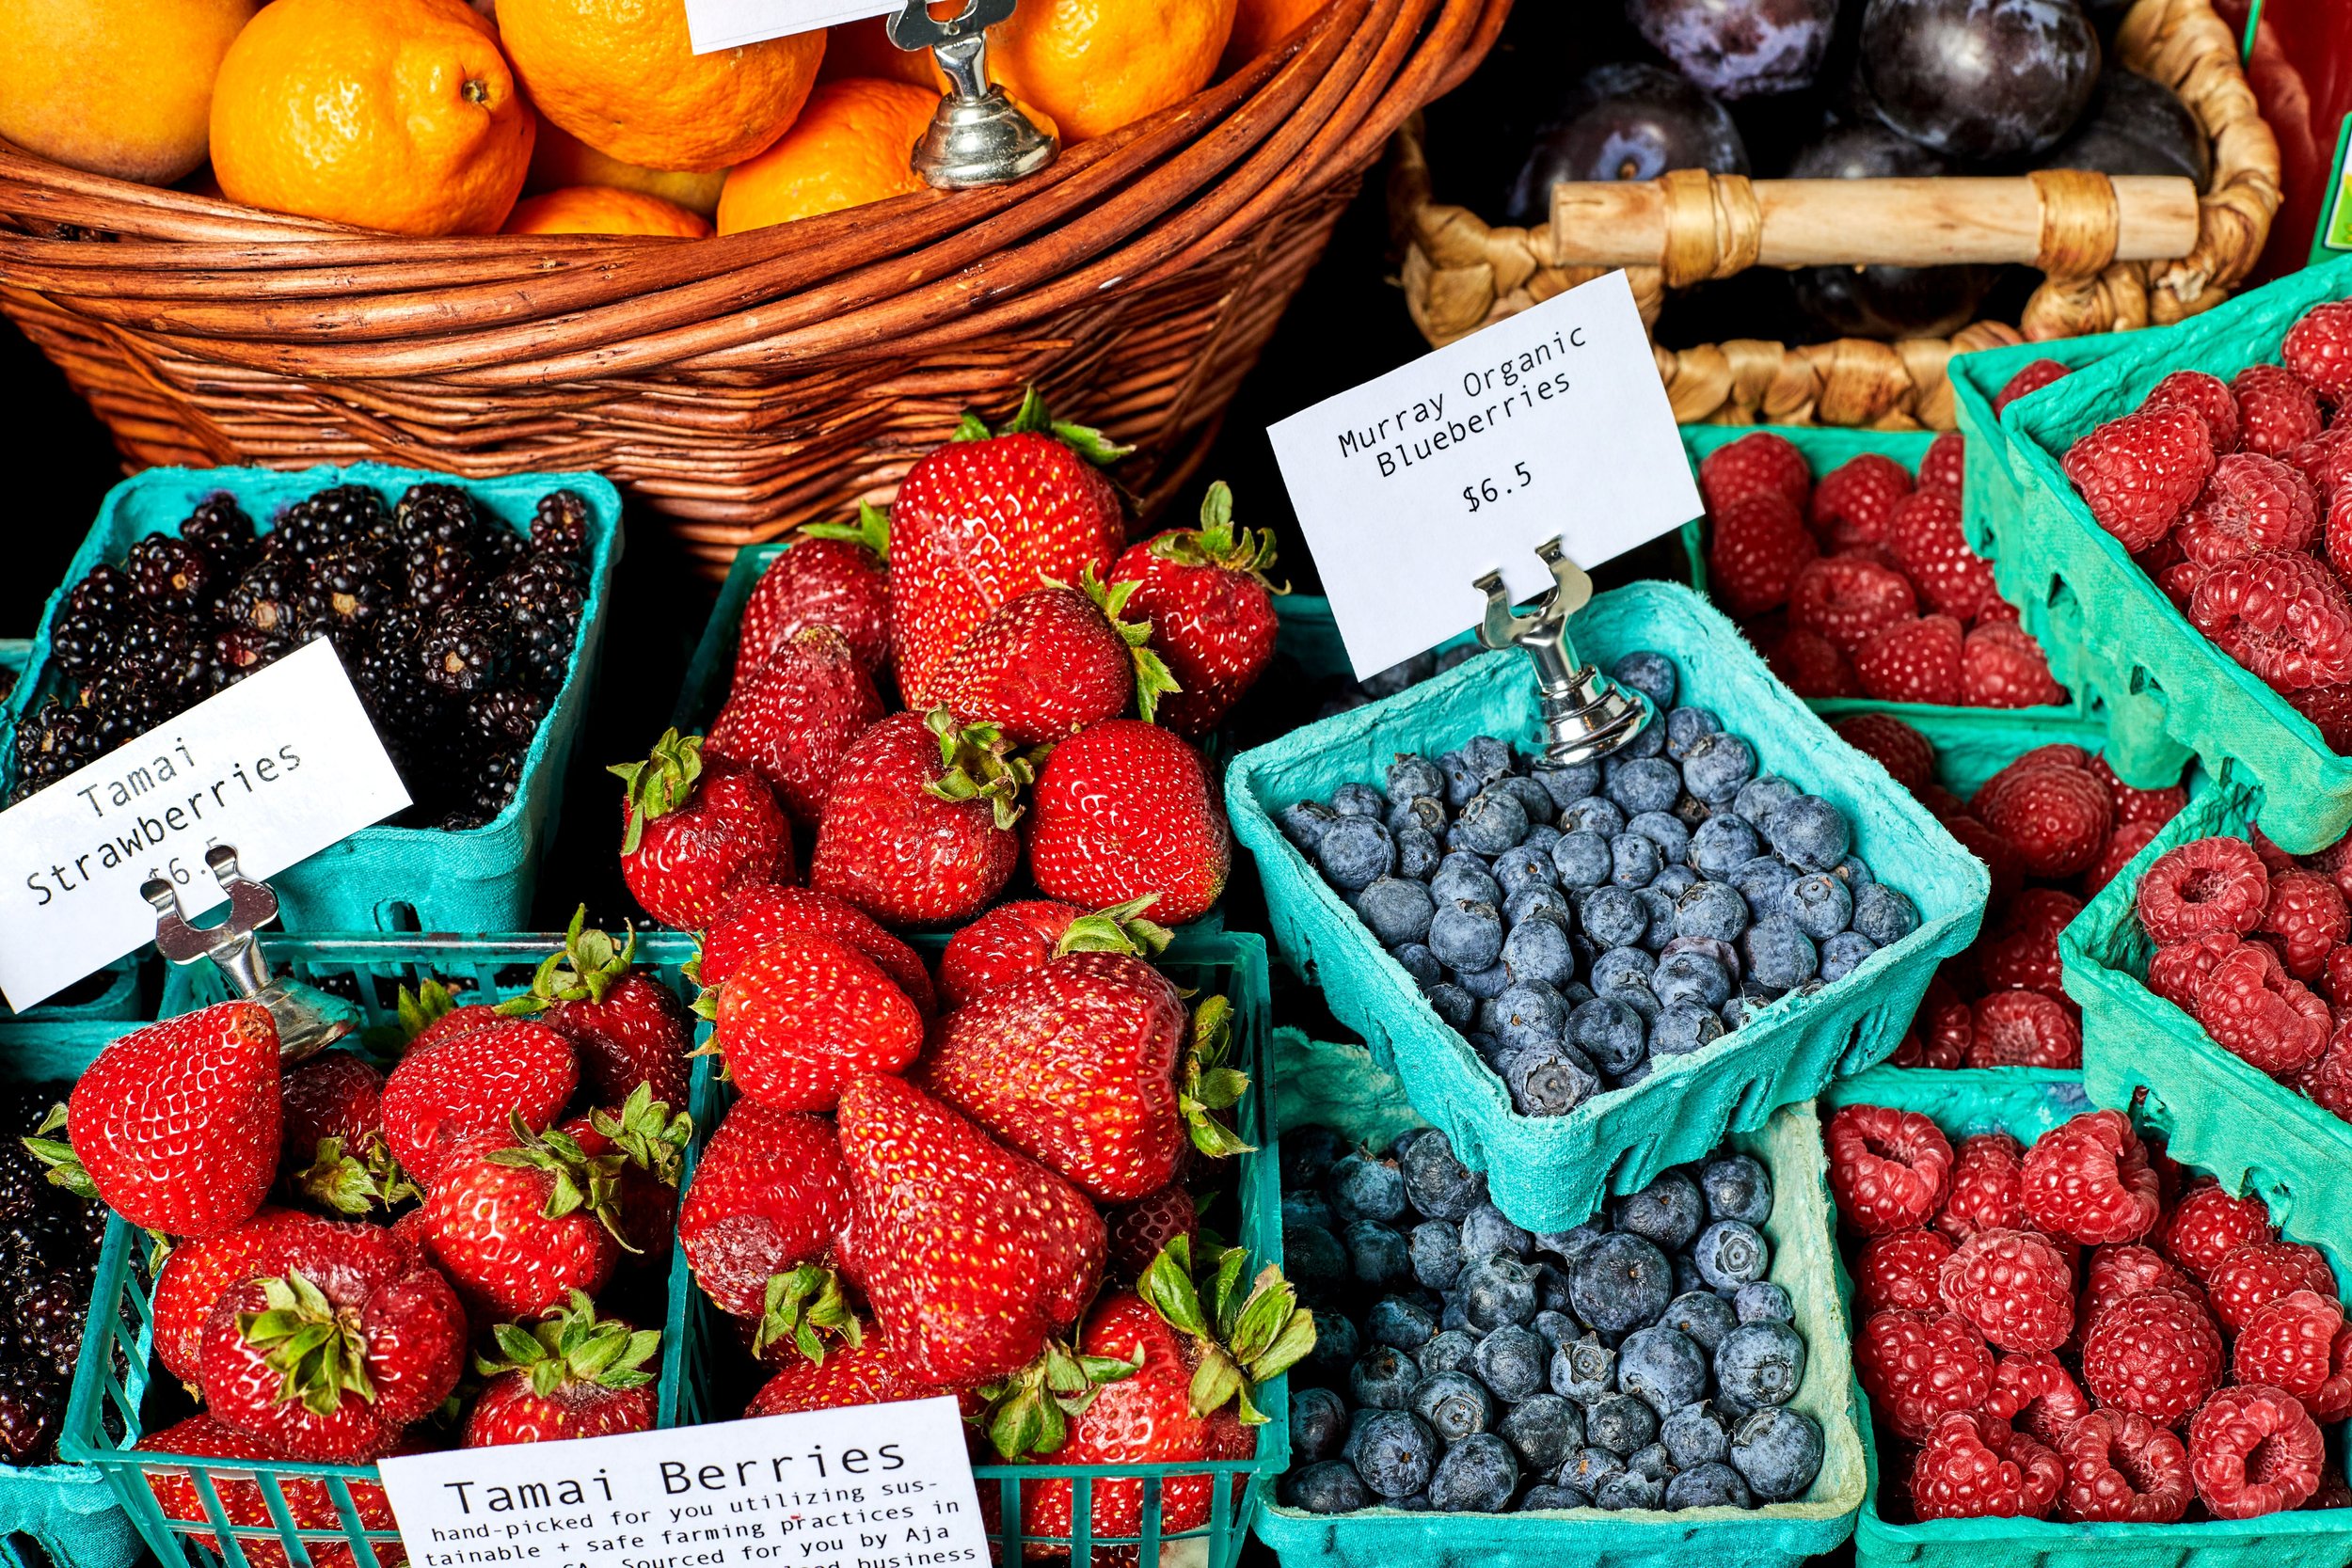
[[1626, 121], [2134, 126], [1739, 48], [1881, 301], [1982, 80]]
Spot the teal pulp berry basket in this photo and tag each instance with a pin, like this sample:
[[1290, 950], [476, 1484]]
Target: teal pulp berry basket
[[2216, 1110], [2026, 1104], [2170, 690], [1778, 1535], [1993, 486], [251, 1519], [385, 877], [1549, 1172]]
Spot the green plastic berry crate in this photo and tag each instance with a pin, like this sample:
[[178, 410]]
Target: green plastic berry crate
[[2168, 688], [1994, 489], [105, 1418], [1549, 1172], [2026, 1102], [384, 878], [1778, 1535]]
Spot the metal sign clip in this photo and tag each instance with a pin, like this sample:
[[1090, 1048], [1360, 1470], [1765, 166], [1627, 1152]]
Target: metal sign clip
[[1586, 715], [979, 137], [308, 1018]]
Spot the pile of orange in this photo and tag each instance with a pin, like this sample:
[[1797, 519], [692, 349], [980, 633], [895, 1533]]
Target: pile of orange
[[428, 117]]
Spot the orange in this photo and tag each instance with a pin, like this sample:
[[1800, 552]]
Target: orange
[[854, 144], [864, 49], [393, 114], [562, 159], [602, 210], [623, 77], [1096, 65], [116, 86], [1259, 24]]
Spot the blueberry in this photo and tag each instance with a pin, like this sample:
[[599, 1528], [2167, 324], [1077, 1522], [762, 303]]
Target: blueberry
[[1685, 725], [1620, 1423], [1709, 1485], [1355, 852], [1819, 903], [1533, 798], [1439, 1185], [1314, 1260], [1551, 1500], [1366, 1188], [1585, 1371], [1615, 918], [1492, 822], [1758, 1364], [1695, 1434], [1512, 1360], [1569, 785], [1556, 1327], [1713, 911], [1551, 1289], [1764, 795], [1687, 1280], [1461, 781], [1466, 936], [1499, 1290], [1519, 868], [1683, 1027], [1761, 882], [1691, 976], [1545, 905], [1729, 1254], [1702, 1317], [1539, 950], [1337, 1345], [1395, 1451], [1447, 1352], [1454, 1314], [1650, 674], [1455, 1404], [1543, 1429], [1436, 1248], [1306, 1206], [1662, 1366], [1675, 882], [1716, 766], [1484, 984], [1489, 758], [1307, 1155], [1410, 776], [1450, 1002], [1318, 1424], [1737, 1187], [1647, 742], [1720, 844], [1416, 1504], [1570, 1245], [1610, 1033], [1486, 1231], [1640, 783], [1418, 962], [1778, 954], [1667, 1213], [1550, 1081], [1633, 863], [1478, 1475], [1660, 907], [1620, 967], [1329, 1487], [1528, 1013], [1426, 813], [1667, 833], [1540, 838], [1380, 1258], [1778, 1452], [1396, 910], [1809, 832], [1587, 1469], [1360, 799], [1651, 1459], [1738, 1010], [1844, 952], [1383, 1378], [1630, 1491], [1856, 871], [1465, 877], [1622, 1284], [1882, 914], [1305, 823], [1761, 1301], [1595, 813]]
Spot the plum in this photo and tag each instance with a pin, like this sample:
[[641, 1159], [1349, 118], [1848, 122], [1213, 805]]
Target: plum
[[2136, 126], [1881, 301], [1980, 79], [1739, 48], [1626, 121]]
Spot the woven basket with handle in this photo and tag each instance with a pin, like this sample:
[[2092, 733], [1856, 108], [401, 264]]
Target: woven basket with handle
[[747, 384], [2093, 238]]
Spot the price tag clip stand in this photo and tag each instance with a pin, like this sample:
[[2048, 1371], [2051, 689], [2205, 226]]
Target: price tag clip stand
[[309, 1020], [979, 137], [1586, 715]]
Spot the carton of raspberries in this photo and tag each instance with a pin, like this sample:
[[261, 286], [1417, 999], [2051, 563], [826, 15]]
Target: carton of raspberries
[[1862, 585], [2231, 496], [2052, 827], [2079, 1330]]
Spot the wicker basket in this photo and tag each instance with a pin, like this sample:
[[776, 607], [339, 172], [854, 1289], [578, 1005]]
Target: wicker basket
[[1461, 272], [746, 384]]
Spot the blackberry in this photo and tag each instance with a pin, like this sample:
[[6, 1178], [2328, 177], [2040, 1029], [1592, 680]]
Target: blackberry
[[123, 705], [506, 716], [339, 515], [221, 530], [152, 647], [268, 597], [29, 1410], [241, 650], [52, 742], [81, 645], [560, 527], [171, 574], [107, 593], [466, 650], [494, 782], [436, 574], [440, 513], [23, 1185], [49, 1323], [344, 593]]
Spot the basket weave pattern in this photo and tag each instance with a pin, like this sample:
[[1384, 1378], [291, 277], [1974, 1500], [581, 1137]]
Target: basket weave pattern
[[746, 384]]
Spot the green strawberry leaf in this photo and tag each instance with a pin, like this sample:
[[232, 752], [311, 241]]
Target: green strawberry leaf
[[646, 1134], [873, 528], [64, 1167], [1028, 1415], [976, 763], [1205, 1084], [803, 1305], [1034, 419], [659, 785], [1119, 929], [1217, 543], [318, 1354], [1152, 677], [355, 1183], [571, 1345]]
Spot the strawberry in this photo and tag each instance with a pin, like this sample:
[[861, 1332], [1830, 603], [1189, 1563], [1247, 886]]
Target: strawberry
[[650, 1140], [1021, 937], [868, 1373], [195, 1274], [431, 1014], [1211, 606], [989, 517], [1126, 809], [793, 718], [757, 915], [332, 1151], [1141, 1229], [1047, 663], [177, 1125], [521, 1219], [769, 1199], [802, 1015], [1912, 661], [571, 1374], [918, 828], [306, 1499], [1086, 1067], [626, 1028], [832, 576], [473, 1083], [972, 1256], [694, 828]]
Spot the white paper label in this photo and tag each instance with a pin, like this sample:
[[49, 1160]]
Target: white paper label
[[715, 25], [873, 1486], [1410, 488], [279, 765]]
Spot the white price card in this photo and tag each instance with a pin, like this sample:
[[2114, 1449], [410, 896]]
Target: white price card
[[1552, 422], [279, 765], [715, 25], [871, 1486]]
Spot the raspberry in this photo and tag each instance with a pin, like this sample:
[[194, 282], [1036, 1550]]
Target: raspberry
[[1933, 550], [2325, 460], [1945, 465], [2262, 1272], [1973, 1466], [2179, 582], [1917, 1367], [2335, 524], [1756, 546], [2057, 818], [2029, 381], [2013, 1288], [2024, 1028], [2176, 971], [2207, 884], [2250, 504], [2298, 1342], [2309, 916], [2255, 1010], [2338, 970], [2254, 1450], [2276, 411], [1984, 1193], [2040, 1388], [1898, 1269], [2207, 396], [2002, 666], [1902, 751], [2139, 474], [1759, 463], [1853, 502], [1887, 1168], [1950, 1025], [2283, 616], [2156, 806], [2022, 954], [2329, 708], [1999, 856], [2266, 849], [2122, 1269], [1941, 803], [1846, 599], [2156, 1353], [2124, 847], [2057, 754], [2318, 348], [1912, 661], [2088, 1181], [1810, 667], [2207, 1224], [2122, 1469]]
